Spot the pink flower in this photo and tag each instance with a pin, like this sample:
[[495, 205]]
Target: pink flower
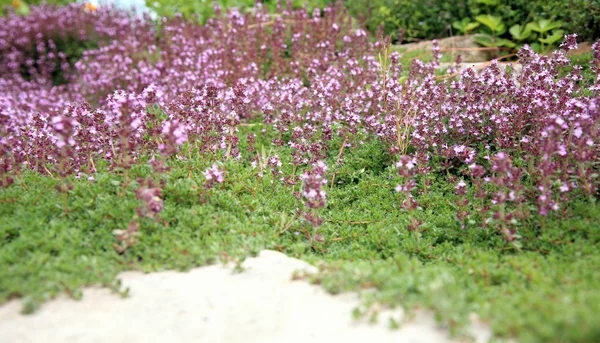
[[212, 175]]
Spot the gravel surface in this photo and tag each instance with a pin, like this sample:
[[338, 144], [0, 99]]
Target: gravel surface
[[213, 304]]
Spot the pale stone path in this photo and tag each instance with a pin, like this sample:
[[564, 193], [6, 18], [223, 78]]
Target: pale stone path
[[212, 304]]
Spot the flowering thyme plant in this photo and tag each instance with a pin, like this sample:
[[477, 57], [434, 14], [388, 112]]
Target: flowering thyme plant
[[522, 143], [314, 195], [213, 175]]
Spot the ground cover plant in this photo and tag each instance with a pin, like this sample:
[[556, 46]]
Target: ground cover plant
[[178, 145]]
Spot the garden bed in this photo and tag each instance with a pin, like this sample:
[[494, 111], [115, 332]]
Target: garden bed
[[177, 145]]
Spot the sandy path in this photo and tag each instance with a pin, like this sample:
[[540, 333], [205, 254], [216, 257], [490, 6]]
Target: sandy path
[[211, 304]]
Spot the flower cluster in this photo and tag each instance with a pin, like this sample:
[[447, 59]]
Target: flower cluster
[[34, 47], [173, 135], [309, 78], [314, 180], [313, 192], [213, 175], [150, 194], [407, 168], [275, 164]]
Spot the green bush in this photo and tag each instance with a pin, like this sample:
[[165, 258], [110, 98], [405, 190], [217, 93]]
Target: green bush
[[430, 19], [578, 16], [425, 19]]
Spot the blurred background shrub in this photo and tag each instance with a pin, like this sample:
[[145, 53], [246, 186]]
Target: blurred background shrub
[[429, 19], [44, 42], [418, 19], [22, 7], [502, 23], [201, 10], [422, 19]]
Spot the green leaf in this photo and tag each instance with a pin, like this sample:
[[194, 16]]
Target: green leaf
[[544, 25], [384, 11], [520, 32], [485, 40], [492, 22], [458, 25], [487, 2], [555, 37], [470, 27], [505, 42], [489, 41], [465, 26], [537, 47]]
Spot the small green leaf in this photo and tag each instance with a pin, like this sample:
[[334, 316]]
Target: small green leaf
[[520, 32], [485, 40], [459, 25], [555, 37], [492, 22], [384, 11], [487, 2], [505, 43], [465, 26], [544, 25], [470, 27], [537, 47]]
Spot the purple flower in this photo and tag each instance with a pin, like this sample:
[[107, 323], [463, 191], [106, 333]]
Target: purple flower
[[150, 194], [173, 134], [314, 180], [213, 175], [461, 188], [570, 42]]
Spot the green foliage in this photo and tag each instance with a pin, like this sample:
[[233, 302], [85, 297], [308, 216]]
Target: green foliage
[[542, 34], [520, 32], [544, 26], [493, 23], [543, 292], [372, 159], [497, 28], [73, 49], [419, 19], [188, 8], [579, 16], [491, 41], [465, 26], [488, 2], [439, 18]]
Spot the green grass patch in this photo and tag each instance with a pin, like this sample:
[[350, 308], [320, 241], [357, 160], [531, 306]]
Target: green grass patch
[[545, 292]]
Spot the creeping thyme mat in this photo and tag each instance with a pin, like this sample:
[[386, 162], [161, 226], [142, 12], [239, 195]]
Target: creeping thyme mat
[[463, 194], [548, 285]]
